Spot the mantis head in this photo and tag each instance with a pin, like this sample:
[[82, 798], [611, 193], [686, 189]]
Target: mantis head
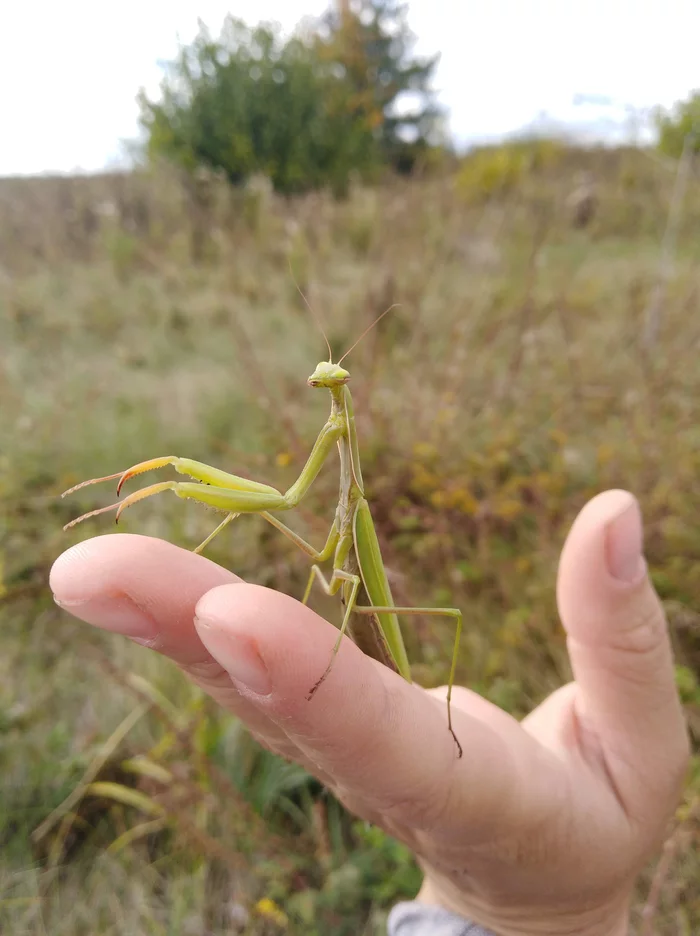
[[328, 375]]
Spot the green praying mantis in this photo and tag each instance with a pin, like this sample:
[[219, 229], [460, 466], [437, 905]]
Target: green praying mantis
[[352, 543]]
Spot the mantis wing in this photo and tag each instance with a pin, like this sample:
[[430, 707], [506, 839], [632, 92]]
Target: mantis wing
[[369, 559]]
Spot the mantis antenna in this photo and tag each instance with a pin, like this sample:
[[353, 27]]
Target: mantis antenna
[[316, 318], [369, 329]]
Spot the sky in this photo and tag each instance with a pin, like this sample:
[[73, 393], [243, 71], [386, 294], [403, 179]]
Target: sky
[[70, 71]]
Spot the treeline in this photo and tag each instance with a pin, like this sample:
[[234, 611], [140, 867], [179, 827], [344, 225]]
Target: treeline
[[342, 96]]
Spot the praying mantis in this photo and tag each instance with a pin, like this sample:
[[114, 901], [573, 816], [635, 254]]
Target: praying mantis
[[358, 571]]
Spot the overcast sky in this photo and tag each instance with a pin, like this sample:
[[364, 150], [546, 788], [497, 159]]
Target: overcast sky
[[69, 71]]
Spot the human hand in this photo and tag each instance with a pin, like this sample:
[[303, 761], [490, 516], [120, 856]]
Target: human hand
[[543, 825]]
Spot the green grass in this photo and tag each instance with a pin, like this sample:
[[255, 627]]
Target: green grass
[[513, 383]]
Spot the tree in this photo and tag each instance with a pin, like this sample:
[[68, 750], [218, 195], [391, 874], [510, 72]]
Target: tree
[[250, 102], [370, 44], [346, 97], [679, 124]]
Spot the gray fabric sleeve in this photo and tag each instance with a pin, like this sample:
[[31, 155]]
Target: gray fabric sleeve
[[411, 918]]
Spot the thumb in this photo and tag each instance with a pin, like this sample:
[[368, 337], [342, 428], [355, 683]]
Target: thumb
[[621, 652]]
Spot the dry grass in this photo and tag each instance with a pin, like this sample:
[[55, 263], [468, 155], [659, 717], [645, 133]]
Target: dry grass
[[140, 316]]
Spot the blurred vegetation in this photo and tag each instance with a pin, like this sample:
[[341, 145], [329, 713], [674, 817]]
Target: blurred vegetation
[[679, 127], [496, 170], [307, 111], [517, 379], [371, 44]]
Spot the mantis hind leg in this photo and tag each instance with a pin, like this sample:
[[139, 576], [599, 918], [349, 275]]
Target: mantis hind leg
[[442, 612]]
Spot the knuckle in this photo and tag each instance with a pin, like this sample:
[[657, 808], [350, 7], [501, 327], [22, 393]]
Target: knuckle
[[276, 744], [422, 796], [646, 631], [208, 673], [424, 807]]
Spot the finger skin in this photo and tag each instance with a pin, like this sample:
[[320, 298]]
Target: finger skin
[[381, 743], [157, 585], [622, 660], [160, 582]]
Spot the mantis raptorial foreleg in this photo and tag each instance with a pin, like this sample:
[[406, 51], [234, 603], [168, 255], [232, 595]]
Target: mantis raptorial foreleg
[[231, 500], [219, 488]]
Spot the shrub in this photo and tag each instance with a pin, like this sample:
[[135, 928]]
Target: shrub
[[674, 126]]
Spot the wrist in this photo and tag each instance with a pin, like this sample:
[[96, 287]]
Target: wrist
[[609, 918]]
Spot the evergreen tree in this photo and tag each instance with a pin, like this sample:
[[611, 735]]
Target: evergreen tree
[[307, 111], [370, 43], [251, 102]]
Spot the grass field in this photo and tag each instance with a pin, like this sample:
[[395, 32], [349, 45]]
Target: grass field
[[531, 364]]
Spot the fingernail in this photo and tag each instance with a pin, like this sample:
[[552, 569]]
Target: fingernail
[[238, 655], [624, 544], [117, 614]]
